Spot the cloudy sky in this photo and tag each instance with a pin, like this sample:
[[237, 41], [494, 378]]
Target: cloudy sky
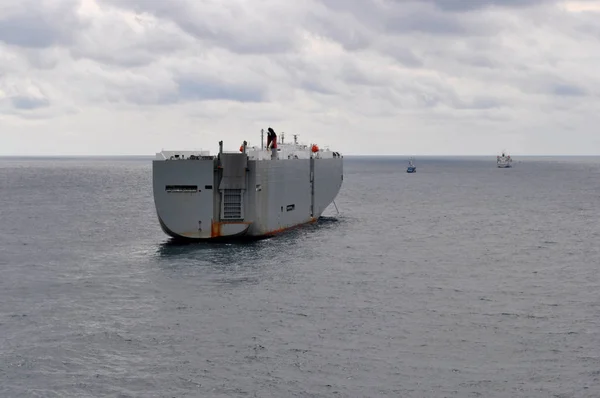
[[427, 77]]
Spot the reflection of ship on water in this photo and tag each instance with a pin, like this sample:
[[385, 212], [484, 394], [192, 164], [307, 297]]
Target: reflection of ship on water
[[214, 252], [214, 264], [231, 249], [237, 263]]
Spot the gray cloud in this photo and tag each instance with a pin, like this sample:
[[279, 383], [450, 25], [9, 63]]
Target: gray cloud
[[479, 61], [344, 30], [316, 87], [480, 102], [190, 88], [403, 54], [470, 5], [240, 27], [434, 22], [28, 24], [21, 102], [569, 90], [28, 31], [427, 65]]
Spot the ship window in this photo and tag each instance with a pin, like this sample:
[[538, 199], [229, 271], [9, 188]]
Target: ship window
[[290, 207], [181, 188], [208, 187]]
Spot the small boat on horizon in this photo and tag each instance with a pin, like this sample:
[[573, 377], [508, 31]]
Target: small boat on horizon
[[411, 166], [504, 161]]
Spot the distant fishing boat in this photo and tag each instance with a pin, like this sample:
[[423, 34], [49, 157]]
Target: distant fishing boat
[[411, 166], [504, 161]]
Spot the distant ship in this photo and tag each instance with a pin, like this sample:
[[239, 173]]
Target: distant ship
[[256, 192], [504, 161], [411, 166]]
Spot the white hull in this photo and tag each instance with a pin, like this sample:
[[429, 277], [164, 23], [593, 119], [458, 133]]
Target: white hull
[[504, 161], [244, 194]]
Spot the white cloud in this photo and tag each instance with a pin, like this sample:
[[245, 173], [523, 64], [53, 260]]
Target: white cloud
[[362, 76]]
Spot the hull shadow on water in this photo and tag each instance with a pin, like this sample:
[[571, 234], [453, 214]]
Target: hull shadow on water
[[248, 245], [238, 262]]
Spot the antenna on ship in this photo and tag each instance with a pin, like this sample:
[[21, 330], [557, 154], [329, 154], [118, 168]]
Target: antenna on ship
[[282, 135], [295, 138], [262, 139]]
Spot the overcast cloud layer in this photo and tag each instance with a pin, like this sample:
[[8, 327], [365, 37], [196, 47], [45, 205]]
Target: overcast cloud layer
[[423, 77]]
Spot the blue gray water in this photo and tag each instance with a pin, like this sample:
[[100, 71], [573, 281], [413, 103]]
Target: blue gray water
[[460, 280]]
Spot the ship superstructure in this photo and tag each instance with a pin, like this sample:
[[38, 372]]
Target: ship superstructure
[[255, 192], [503, 161], [411, 166]]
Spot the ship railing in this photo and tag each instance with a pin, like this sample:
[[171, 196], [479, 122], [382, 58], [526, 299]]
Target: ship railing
[[183, 155]]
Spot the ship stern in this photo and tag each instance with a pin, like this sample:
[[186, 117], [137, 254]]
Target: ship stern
[[191, 204]]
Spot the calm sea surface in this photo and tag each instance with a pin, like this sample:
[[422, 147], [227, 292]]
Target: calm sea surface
[[460, 280]]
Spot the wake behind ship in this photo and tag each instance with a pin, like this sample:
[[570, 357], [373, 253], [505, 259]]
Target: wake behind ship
[[255, 192]]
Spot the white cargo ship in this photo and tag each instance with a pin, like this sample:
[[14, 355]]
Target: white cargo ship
[[503, 161], [256, 192]]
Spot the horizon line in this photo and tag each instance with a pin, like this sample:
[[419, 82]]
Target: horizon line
[[350, 155]]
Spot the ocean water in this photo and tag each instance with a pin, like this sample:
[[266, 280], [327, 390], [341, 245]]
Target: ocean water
[[462, 280]]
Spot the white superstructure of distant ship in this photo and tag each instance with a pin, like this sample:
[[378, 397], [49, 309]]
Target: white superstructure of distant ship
[[504, 161], [411, 166]]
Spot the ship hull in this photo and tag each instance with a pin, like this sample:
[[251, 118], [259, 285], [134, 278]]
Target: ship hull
[[199, 200], [504, 161]]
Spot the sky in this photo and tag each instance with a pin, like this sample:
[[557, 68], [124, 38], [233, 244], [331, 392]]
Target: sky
[[427, 77]]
